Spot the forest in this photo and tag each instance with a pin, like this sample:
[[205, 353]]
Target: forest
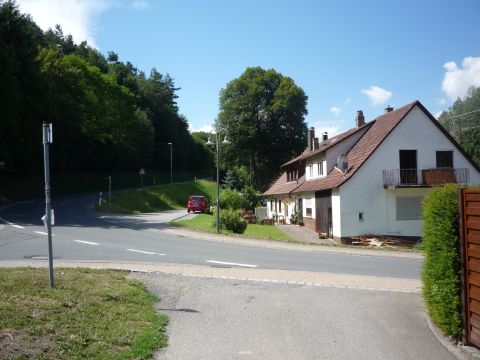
[[107, 116]]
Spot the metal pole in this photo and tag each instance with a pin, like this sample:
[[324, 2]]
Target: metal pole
[[109, 191], [218, 185], [48, 213], [171, 164]]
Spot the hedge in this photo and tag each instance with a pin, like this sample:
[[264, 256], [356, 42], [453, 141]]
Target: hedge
[[441, 270]]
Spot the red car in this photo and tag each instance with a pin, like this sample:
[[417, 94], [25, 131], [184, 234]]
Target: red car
[[198, 203]]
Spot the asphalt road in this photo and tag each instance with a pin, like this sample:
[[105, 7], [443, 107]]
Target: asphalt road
[[230, 319], [81, 236]]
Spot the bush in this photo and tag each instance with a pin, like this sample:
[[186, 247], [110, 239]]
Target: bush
[[441, 269], [230, 199], [251, 197], [230, 219]]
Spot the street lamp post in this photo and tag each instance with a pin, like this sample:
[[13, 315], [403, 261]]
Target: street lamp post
[[209, 142], [171, 162]]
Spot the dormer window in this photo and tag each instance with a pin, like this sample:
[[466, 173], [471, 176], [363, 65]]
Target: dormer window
[[320, 168]]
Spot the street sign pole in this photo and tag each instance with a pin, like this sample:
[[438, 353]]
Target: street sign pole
[[47, 139], [109, 191]]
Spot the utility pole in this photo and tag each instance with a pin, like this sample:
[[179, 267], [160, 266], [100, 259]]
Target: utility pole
[[171, 162], [47, 139], [110, 191]]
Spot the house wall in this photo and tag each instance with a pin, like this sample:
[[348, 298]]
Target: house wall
[[336, 211], [287, 203], [364, 192], [308, 201], [342, 147], [314, 160]]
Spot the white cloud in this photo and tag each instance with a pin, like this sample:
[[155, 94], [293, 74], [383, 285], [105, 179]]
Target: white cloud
[[76, 17], [321, 127], [457, 80], [335, 110], [441, 100], [205, 128], [377, 95], [140, 4]]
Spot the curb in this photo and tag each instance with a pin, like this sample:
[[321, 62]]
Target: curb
[[460, 351]]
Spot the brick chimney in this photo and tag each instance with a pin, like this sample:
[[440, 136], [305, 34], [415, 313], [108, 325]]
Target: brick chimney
[[311, 136], [324, 136], [359, 119], [388, 109], [315, 144]]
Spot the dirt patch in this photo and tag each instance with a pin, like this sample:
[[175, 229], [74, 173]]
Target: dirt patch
[[20, 345]]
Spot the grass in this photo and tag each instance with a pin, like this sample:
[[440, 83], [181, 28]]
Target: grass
[[203, 222], [15, 187], [163, 197], [91, 314]]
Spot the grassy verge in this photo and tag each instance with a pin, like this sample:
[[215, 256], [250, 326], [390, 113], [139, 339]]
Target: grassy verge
[[203, 222], [91, 314], [163, 197]]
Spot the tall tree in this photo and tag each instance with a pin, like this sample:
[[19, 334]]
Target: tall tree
[[462, 121], [263, 113]]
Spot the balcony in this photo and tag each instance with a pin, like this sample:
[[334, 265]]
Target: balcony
[[408, 178]]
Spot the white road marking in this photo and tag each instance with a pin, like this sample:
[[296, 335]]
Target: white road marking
[[145, 252], [12, 224], [86, 242], [40, 232], [229, 263]]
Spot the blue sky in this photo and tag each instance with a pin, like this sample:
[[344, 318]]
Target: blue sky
[[346, 55]]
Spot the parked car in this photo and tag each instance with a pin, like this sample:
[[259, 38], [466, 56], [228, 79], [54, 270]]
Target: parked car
[[198, 203]]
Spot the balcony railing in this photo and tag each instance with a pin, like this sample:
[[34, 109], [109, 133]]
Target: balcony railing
[[424, 177]]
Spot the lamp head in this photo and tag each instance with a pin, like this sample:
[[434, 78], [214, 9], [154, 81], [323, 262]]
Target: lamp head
[[225, 140], [209, 141]]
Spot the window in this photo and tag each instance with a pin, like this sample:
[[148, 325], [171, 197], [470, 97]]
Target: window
[[320, 168], [308, 212], [409, 207], [445, 159], [310, 170], [361, 217]]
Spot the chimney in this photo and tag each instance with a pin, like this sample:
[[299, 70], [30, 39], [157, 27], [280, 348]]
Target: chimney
[[359, 119], [315, 144], [311, 136], [324, 136], [388, 109]]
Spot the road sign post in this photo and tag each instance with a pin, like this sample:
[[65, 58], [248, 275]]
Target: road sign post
[[47, 139]]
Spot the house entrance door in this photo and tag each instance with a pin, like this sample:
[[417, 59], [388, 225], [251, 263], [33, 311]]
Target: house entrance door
[[408, 167], [323, 212]]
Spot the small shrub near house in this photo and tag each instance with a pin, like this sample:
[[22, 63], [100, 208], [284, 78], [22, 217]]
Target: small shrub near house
[[231, 199], [230, 219], [441, 270]]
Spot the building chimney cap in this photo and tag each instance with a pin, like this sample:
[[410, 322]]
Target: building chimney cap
[[388, 109], [359, 119], [359, 112]]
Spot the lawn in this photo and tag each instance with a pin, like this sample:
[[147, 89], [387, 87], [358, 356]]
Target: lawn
[[91, 314], [204, 222], [159, 198]]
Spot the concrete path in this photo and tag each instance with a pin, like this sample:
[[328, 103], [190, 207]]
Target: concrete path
[[234, 319], [304, 234]]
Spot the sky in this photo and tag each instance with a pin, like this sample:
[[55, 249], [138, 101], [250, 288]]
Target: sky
[[346, 55]]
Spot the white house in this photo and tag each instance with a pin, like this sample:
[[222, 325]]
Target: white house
[[371, 179]]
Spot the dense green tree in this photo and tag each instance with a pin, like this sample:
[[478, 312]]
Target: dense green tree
[[107, 115], [263, 113], [462, 120], [21, 88]]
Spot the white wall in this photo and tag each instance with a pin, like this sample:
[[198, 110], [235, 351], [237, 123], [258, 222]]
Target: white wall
[[286, 202], [365, 192], [308, 201], [314, 160], [336, 213]]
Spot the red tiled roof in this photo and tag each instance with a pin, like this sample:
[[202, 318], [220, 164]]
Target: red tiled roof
[[361, 151], [281, 186], [324, 145]]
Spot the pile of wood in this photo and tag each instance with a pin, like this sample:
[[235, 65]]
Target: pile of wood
[[382, 242]]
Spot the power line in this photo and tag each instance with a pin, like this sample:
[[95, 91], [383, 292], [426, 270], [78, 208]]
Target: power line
[[470, 113]]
